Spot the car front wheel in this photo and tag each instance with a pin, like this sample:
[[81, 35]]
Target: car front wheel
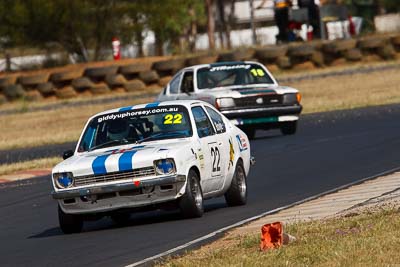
[[191, 203], [237, 192], [69, 223]]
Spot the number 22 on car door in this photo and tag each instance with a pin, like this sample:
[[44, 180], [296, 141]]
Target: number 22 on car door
[[215, 155]]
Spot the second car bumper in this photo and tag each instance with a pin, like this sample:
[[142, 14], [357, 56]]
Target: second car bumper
[[262, 115]]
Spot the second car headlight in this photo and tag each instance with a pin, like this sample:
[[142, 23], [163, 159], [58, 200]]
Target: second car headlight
[[291, 98], [164, 166], [63, 179], [225, 102]]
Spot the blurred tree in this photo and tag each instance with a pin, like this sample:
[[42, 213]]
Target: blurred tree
[[80, 26], [210, 23], [170, 19]]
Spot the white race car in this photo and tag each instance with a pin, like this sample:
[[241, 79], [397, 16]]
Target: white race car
[[149, 156], [245, 92]]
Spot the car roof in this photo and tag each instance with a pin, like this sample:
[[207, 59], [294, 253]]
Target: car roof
[[217, 64], [186, 103]]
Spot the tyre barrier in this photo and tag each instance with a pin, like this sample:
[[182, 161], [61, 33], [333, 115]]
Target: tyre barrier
[[100, 89], [98, 74], [46, 89], [168, 66], [353, 54], [115, 80], [32, 80], [134, 85], [271, 53], [149, 76], [132, 77], [81, 84], [66, 92], [202, 59]]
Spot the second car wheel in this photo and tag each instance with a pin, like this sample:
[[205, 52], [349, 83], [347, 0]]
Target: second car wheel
[[191, 203], [289, 128], [237, 192], [69, 223]]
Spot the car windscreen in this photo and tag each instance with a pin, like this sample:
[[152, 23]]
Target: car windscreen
[[231, 75], [136, 126]]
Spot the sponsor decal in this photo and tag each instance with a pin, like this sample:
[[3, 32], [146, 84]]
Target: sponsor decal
[[231, 153], [201, 158], [128, 113], [230, 67], [242, 142], [219, 126]]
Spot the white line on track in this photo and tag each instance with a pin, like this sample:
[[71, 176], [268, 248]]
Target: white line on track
[[242, 222]]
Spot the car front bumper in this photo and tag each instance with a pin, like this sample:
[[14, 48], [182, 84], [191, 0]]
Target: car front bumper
[[262, 115], [111, 197]]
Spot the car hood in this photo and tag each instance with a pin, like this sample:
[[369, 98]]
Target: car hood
[[243, 91], [121, 158]]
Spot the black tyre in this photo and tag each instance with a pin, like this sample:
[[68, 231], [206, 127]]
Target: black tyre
[[69, 223], [121, 218], [237, 192], [289, 128], [191, 203]]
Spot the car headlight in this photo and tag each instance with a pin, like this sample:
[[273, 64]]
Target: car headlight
[[225, 102], [63, 179], [291, 98], [164, 166]]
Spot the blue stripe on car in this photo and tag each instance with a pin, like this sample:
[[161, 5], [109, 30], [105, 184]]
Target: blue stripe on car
[[125, 109], [125, 161], [152, 105], [99, 165]]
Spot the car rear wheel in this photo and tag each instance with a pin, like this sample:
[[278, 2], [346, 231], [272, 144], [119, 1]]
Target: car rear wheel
[[237, 192], [69, 223], [289, 128], [191, 203]]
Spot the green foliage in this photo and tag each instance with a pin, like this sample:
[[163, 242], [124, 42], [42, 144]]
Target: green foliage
[[391, 6], [82, 25]]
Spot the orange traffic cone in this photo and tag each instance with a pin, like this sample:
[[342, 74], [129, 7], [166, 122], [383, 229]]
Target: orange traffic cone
[[271, 235]]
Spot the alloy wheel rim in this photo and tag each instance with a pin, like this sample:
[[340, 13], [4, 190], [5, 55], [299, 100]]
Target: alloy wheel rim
[[241, 182], [197, 194]]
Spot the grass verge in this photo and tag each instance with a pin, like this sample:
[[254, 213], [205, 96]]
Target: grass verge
[[367, 239], [45, 163]]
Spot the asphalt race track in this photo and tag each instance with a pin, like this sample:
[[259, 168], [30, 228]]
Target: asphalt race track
[[329, 150]]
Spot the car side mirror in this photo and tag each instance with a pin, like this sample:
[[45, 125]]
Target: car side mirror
[[68, 154]]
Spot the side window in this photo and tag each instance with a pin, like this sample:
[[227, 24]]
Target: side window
[[187, 83], [217, 120], [203, 124], [174, 85]]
